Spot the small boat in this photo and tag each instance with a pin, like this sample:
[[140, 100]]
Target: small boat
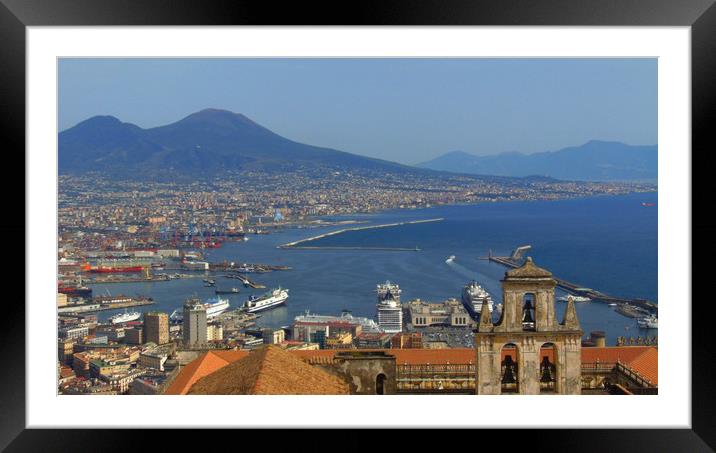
[[227, 291], [450, 259]]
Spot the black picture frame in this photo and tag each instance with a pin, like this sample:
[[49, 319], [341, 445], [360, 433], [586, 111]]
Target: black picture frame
[[700, 15]]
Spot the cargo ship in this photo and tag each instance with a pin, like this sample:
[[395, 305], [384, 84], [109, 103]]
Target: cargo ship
[[214, 307], [75, 291], [227, 291], [115, 269], [271, 299]]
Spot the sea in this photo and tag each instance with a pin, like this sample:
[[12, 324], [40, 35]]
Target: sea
[[608, 243]]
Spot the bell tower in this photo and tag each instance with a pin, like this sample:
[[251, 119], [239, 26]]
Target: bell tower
[[527, 351]]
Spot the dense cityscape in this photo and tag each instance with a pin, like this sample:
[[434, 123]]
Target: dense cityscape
[[122, 231]]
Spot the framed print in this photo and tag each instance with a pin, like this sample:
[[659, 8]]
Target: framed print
[[402, 215]]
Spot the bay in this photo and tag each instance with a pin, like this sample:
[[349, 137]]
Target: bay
[[608, 243]]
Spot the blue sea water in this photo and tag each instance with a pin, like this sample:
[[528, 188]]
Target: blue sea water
[[607, 243]]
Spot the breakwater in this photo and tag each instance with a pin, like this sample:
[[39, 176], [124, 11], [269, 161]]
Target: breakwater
[[298, 244], [573, 288]]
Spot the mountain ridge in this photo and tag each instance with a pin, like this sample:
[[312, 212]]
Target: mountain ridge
[[595, 160]]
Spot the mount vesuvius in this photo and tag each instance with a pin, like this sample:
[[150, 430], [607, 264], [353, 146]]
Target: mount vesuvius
[[204, 144]]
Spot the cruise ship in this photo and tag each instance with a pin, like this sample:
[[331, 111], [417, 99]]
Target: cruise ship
[[367, 325], [271, 299], [125, 317], [214, 307], [473, 296], [388, 308]]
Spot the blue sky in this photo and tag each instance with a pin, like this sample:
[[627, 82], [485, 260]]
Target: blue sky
[[405, 110]]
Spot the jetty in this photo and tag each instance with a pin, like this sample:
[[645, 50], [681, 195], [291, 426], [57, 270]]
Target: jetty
[[246, 281], [515, 260], [297, 244]]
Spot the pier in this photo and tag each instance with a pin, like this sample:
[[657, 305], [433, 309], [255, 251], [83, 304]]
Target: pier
[[331, 247], [246, 267], [515, 260], [98, 304], [246, 281], [297, 244]]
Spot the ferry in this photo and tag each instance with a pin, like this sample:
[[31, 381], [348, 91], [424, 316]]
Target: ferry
[[270, 299], [473, 297], [125, 317], [214, 307], [566, 297], [648, 322]]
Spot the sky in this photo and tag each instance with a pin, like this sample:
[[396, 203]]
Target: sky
[[404, 110]]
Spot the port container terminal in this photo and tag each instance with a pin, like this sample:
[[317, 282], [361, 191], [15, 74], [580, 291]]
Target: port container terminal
[[515, 260]]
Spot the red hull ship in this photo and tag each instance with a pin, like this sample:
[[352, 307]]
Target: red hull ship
[[75, 291], [112, 270]]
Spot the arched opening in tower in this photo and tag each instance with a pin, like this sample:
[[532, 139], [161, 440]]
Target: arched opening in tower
[[548, 369], [528, 312], [509, 376]]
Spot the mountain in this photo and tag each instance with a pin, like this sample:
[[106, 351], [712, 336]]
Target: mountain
[[206, 143], [593, 161]]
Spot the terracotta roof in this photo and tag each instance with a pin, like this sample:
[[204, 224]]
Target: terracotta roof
[[528, 270], [612, 354], [647, 364], [215, 360], [197, 369], [269, 370]]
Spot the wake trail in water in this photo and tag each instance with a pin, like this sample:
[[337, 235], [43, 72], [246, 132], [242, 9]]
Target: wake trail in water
[[460, 269]]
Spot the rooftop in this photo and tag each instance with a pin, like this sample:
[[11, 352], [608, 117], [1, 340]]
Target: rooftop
[[528, 270], [269, 371]]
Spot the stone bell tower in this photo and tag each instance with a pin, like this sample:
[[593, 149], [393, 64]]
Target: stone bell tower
[[510, 353]]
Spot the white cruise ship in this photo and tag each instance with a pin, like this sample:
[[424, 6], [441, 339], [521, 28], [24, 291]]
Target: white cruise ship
[[367, 325], [473, 296], [388, 308], [214, 307], [271, 299]]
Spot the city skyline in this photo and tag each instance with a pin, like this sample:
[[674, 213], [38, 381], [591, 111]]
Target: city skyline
[[406, 110]]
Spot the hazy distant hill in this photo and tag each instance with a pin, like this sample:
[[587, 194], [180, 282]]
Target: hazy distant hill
[[593, 161], [205, 143]]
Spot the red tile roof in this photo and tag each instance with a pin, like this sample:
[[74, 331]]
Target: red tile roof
[[647, 365], [206, 364], [269, 370]]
